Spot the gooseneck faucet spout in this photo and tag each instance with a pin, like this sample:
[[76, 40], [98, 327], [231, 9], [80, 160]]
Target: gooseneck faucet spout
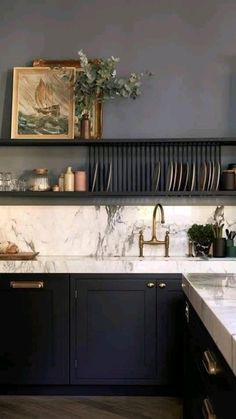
[[154, 234], [154, 240]]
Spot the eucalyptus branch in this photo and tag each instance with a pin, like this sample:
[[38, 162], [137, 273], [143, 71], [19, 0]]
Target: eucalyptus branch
[[97, 82]]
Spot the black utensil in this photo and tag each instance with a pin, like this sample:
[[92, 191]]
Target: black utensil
[[227, 233]]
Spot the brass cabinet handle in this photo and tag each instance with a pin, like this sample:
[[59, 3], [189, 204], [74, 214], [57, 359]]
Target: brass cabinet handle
[[27, 284], [186, 312], [162, 285], [151, 285], [210, 363], [207, 410]]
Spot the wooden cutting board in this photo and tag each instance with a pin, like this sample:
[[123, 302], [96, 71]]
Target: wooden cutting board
[[18, 256]]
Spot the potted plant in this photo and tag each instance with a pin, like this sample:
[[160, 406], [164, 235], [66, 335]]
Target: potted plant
[[98, 81], [202, 237]]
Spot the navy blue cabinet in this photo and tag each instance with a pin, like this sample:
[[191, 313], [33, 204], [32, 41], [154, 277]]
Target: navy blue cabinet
[[125, 329], [209, 385], [34, 326]]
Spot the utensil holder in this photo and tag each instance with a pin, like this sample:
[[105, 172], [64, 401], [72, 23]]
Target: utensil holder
[[219, 248], [231, 251]]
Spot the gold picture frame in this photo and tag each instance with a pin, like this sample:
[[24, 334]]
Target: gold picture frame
[[96, 113], [42, 103]]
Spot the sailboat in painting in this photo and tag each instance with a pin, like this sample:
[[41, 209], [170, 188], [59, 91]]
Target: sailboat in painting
[[44, 100]]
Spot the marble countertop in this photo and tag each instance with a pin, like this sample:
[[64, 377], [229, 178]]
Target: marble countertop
[[214, 298], [130, 264]]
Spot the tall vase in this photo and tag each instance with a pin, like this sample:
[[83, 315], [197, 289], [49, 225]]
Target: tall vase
[[85, 127]]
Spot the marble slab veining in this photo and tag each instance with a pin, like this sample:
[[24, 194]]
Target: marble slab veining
[[213, 296], [101, 230]]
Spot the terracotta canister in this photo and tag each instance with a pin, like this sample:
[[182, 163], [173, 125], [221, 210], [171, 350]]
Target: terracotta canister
[[80, 181]]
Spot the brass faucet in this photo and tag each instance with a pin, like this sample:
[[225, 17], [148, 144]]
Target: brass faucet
[[154, 239]]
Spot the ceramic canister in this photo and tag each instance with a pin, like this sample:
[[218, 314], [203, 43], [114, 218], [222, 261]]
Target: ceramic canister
[[80, 181], [69, 180]]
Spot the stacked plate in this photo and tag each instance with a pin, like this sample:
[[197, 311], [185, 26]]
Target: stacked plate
[[180, 176], [209, 176]]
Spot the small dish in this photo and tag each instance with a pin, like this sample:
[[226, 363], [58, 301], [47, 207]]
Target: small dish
[[156, 176]]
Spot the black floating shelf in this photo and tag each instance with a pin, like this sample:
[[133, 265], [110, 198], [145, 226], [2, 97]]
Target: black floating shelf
[[80, 142], [157, 194]]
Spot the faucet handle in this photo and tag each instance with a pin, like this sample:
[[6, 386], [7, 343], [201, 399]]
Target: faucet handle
[[141, 240], [167, 243]]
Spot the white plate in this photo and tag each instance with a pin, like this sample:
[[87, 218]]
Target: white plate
[[209, 175], [108, 183], [179, 176], [202, 177], [175, 173], [215, 185], [95, 174], [156, 176], [169, 177], [193, 179], [185, 176]]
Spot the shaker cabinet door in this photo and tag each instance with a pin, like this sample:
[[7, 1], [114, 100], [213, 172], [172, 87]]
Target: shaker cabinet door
[[34, 327], [113, 333]]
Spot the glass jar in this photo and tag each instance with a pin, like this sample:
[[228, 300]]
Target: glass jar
[[40, 180]]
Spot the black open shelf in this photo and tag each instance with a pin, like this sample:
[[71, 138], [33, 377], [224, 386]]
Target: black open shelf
[[50, 194], [77, 142]]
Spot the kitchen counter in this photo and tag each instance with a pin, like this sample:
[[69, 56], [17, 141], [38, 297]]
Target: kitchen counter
[[83, 264], [214, 299]]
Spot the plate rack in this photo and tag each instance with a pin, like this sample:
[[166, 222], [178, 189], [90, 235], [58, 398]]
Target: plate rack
[[151, 167]]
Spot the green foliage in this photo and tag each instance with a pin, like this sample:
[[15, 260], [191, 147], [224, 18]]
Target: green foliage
[[97, 81], [217, 231], [202, 234]]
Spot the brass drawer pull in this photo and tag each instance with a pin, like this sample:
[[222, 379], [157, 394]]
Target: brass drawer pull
[[210, 363], [151, 285], [207, 410], [162, 285], [27, 284]]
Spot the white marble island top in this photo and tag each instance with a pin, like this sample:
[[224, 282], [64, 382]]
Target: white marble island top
[[213, 296], [119, 264]]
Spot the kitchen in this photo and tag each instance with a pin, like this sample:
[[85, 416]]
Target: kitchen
[[99, 327]]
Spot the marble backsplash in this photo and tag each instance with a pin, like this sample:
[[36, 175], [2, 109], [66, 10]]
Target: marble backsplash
[[101, 230]]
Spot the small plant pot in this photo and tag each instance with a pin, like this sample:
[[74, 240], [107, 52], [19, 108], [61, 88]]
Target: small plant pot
[[201, 249], [219, 248]]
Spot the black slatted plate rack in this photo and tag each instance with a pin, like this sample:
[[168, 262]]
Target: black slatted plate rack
[[133, 167]]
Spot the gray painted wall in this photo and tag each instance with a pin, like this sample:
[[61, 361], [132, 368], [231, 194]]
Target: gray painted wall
[[190, 45]]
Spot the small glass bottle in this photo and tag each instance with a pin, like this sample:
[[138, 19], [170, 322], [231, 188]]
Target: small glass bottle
[[69, 180], [61, 182]]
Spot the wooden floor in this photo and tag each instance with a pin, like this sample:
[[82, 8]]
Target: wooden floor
[[96, 407]]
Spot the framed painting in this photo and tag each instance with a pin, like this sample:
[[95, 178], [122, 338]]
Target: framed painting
[[96, 114], [43, 103]]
